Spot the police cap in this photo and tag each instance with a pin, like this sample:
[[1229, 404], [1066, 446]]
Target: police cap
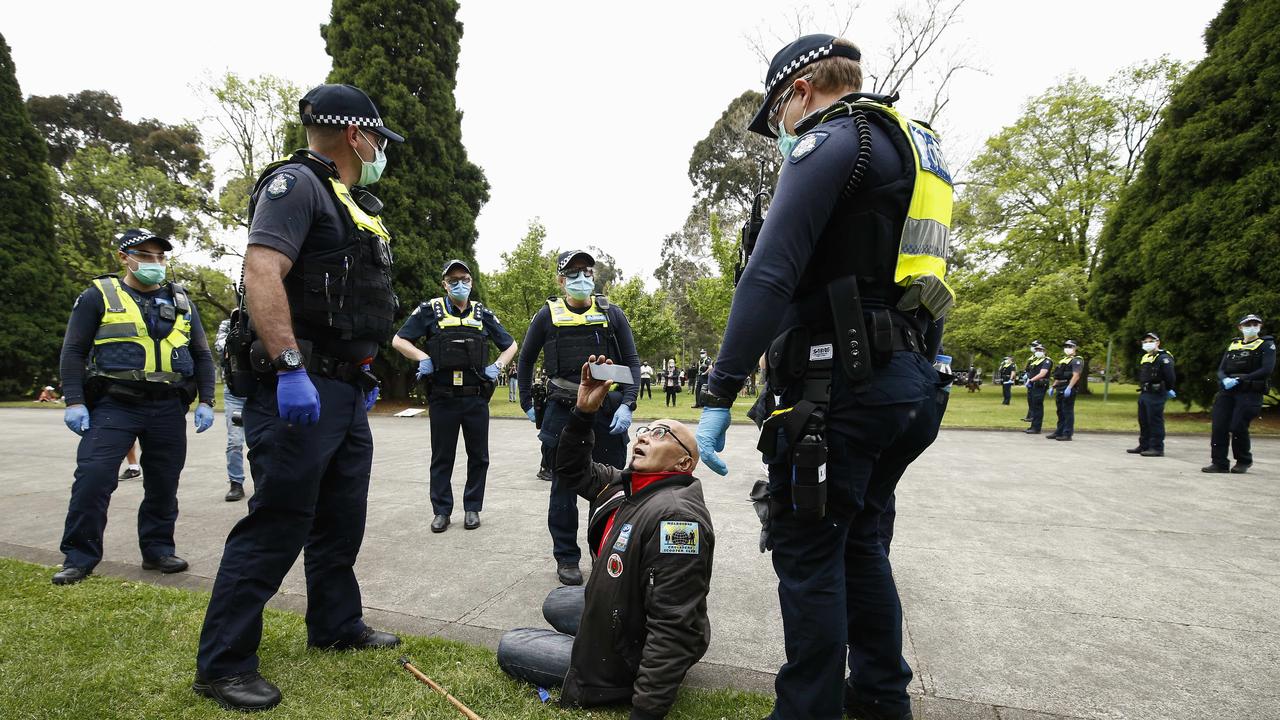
[[568, 256], [136, 236], [1250, 318], [1070, 343], [803, 51], [453, 264], [343, 105], [1151, 335]]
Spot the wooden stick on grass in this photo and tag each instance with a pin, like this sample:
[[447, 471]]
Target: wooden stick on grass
[[404, 662]]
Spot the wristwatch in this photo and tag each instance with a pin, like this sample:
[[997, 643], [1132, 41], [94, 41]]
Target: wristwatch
[[288, 359]]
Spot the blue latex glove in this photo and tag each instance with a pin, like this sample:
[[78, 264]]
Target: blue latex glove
[[204, 417], [491, 372], [533, 417], [371, 398], [1051, 391], [296, 398], [621, 421], [1171, 394], [1067, 392], [1028, 384], [424, 368], [713, 425], [77, 419], [1228, 383]]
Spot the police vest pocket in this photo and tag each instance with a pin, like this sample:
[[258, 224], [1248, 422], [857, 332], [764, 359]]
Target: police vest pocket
[[182, 361], [120, 356]]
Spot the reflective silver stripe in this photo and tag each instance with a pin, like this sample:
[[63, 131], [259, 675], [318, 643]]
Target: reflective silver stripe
[[925, 237], [108, 287], [116, 330]]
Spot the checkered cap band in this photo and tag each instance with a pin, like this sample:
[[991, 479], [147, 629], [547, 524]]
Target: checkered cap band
[[346, 120], [796, 64]]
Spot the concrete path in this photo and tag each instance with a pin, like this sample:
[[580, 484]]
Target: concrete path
[[1038, 578]]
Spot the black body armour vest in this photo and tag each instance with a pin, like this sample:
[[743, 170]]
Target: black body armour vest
[[341, 293], [569, 346], [458, 345], [1244, 358]]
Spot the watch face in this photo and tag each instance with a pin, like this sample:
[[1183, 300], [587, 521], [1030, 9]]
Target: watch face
[[291, 358]]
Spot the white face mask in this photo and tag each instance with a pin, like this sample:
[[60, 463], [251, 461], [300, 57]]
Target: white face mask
[[1039, 353], [1149, 346], [1250, 331], [1068, 351]]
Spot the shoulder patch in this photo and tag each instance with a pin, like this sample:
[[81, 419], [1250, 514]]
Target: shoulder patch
[[679, 538], [807, 144], [280, 185], [624, 538]]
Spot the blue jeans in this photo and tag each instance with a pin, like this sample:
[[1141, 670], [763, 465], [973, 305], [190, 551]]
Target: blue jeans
[[235, 437], [540, 656]]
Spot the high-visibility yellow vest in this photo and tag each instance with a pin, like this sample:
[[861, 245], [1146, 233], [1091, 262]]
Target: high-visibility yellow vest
[[562, 316], [446, 319], [122, 322]]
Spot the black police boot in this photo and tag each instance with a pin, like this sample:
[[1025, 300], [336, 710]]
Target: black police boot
[[1214, 468], [471, 521], [439, 523], [1032, 431], [1152, 453], [1241, 468], [1136, 450], [167, 564], [860, 708], [544, 474], [247, 692], [569, 573], [1063, 438], [370, 639], [235, 493], [71, 575], [1051, 436]]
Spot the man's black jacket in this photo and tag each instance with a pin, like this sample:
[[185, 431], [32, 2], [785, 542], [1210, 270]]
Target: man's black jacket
[[645, 620]]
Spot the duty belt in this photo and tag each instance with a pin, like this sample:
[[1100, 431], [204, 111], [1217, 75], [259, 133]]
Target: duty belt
[[455, 391], [562, 391]]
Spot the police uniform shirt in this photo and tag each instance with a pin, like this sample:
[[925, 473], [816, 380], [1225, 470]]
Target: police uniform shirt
[[541, 326], [423, 324], [809, 188], [295, 208], [83, 324]]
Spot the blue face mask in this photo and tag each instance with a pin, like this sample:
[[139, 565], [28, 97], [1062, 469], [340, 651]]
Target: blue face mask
[[786, 141], [460, 291], [370, 172], [580, 288], [149, 273], [1249, 331]]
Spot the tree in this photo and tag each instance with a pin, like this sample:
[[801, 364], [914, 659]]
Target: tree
[[653, 324], [726, 166], [210, 289], [711, 297], [1191, 244], [36, 294], [524, 283], [405, 56]]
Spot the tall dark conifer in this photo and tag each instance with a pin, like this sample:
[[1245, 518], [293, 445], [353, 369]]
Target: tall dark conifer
[[34, 295]]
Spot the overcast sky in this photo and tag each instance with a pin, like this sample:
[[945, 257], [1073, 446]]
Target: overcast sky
[[584, 113]]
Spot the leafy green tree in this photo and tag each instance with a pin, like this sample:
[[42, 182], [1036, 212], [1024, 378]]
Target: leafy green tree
[[36, 294], [524, 283], [1192, 243], [711, 297], [725, 167], [405, 56], [653, 323]]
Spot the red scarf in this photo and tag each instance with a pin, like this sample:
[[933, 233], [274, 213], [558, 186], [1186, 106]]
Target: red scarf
[[639, 481]]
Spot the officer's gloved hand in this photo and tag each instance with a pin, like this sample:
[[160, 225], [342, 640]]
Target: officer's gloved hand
[[533, 417], [1171, 394], [1051, 390], [296, 398], [1028, 384], [204, 417], [371, 398], [1067, 392], [621, 420], [492, 371], [1228, 383], [713, 425], [76, 418], [424, 368]]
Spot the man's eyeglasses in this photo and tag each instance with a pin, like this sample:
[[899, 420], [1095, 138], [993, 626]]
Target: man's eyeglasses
[[657, 432], [454, 282], [578, 272], [773, 120], [146, 256], [380, 143]]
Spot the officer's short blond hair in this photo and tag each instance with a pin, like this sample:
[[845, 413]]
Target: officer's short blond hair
[[829, 74]]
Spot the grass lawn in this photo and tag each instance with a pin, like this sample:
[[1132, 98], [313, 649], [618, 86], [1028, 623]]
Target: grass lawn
[[110, 648]]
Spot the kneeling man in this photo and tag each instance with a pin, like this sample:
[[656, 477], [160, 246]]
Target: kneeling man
[[641, 622]]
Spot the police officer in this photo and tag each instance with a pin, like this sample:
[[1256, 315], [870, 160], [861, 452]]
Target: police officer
[[134, 357], [1156, 380], [318, 290], [1066, 375], [700, 377], [845, 291], [1038, 368], [1244, 373], [460, 382], [568, 330], [1005, 376]]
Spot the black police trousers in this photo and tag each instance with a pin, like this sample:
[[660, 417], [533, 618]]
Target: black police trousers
[[835, 584], [1007, 389], [1151, 421], [562, 509], [469, 414], [1232, 413], [311, 486], [114, 425], [1066, 407], [1035, 405]]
